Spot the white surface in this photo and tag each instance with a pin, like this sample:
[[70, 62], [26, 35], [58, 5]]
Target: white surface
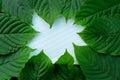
[[56, 40]]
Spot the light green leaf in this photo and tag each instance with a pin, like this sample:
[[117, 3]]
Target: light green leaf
[[13, 34], [12, 64], [103, 35], [49, 10], [96, 66], [70, 8], [18, 8], [92, 9]]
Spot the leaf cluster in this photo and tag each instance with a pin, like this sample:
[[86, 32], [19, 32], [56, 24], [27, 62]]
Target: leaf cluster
[[99, 60]]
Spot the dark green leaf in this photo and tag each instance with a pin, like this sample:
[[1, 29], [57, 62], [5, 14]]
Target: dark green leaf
[[0, 5], [40, 68], [65, 72], [64, 69]]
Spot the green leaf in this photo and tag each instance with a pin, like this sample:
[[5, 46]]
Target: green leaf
[[96, 66], [92, 9], [65, 72], [12, 64], [64, 69], [49, 10], [18, 8], [70, 8], [65, 59], [0, 5], [13, 34], [38, 68], [103, 35]]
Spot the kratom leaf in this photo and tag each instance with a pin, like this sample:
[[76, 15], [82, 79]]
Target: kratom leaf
[[13, 34], [64, 72], [64, 69], [92, 9], [12, 64], [49, 10], [103, 35], [97, 66], [70, 8], [65, 59], [38, 68], [19, 8]]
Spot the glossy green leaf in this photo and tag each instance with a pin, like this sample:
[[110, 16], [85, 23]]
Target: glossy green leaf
[[103, 35], [97, 66], [12, 64], [92, 9], [13, 34], [18, 8]]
